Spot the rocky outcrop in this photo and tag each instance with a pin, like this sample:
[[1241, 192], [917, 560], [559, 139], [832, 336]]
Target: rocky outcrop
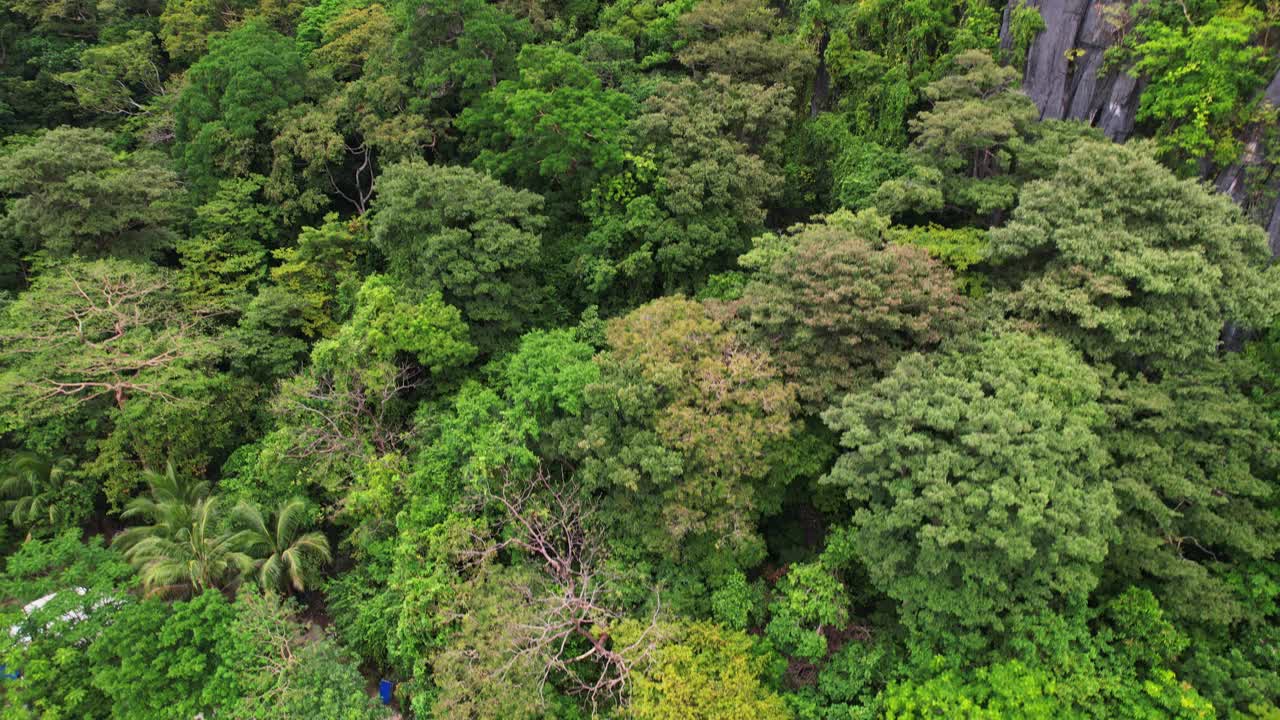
[[1254, 181], [1064, 67], [1064, 75]]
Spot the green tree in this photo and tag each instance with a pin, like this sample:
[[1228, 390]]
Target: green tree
[[42, 494], [118, 78], [1203, 84], [692, 194], [285, 557], [348, 410], [680, 429], [705, 672], [222, 119], [976, 482], [72, 194], [458, 50], [1005, 690], [1132, 265], [809, 603], [276, 671], [322, 271], [49, 647], [226, 257], [161, 661], [840, 304], [554, 129], [743, 39], [458, 232], [976, 145], [90, 338], [184, 547], [1193, 462]]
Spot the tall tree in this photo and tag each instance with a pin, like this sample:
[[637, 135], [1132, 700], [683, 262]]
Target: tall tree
[[1132, 265], [222, 119], [977, 489], [680, 429], [284, 556], [693, 193], [841, 304], [184, 548], [458, 232], [73, 194]]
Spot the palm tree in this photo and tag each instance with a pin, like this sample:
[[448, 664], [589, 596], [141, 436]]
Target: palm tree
[[184, 548], [284, 555], [38, 490]]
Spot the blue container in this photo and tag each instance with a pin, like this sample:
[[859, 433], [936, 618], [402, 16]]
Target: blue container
[[385, 688]]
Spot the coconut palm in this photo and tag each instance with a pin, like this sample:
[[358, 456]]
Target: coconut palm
[[39, 491], [284, 556], [184, 548]]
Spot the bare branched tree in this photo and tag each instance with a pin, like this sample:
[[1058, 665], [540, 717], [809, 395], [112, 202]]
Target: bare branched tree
[[343, 418], [568, 635]]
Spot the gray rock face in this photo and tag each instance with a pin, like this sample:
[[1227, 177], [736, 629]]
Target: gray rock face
[[1063, 76], [1064, 67], [1253, 181]]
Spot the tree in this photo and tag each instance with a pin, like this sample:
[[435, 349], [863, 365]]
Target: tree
[[365, 115], [977, 488], [349, 407], [161, 661], [692, 194], [455, 231], [743, 39], [1132, 265], [1203, 82], [222, 117], [322, 270], [839, 305], [226, 258], [458, 50], [278, 671], [42, 494], [810, 604], [680, 430], [284, 555], [554, 129], [979, 142], [116, 78], [704, 672], [89, 336], [49, 645], [1192, 462], [184, 548], [74, 195]]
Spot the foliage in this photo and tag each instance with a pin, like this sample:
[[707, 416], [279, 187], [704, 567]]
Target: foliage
[[460, 233], [1129, 263], [1204, 79], [707, 672], [42, 495], [842, 305], [638, 359], [693, 193], [685, 414], [184, 547], [976, 483], [75, 195], [222, 116], [553, 129], [285, 556]]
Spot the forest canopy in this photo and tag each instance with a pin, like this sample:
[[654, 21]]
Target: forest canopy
[[639, 359]]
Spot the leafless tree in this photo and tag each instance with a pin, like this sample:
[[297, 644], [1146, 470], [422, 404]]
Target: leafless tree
[[343, 418], [569, 633]]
